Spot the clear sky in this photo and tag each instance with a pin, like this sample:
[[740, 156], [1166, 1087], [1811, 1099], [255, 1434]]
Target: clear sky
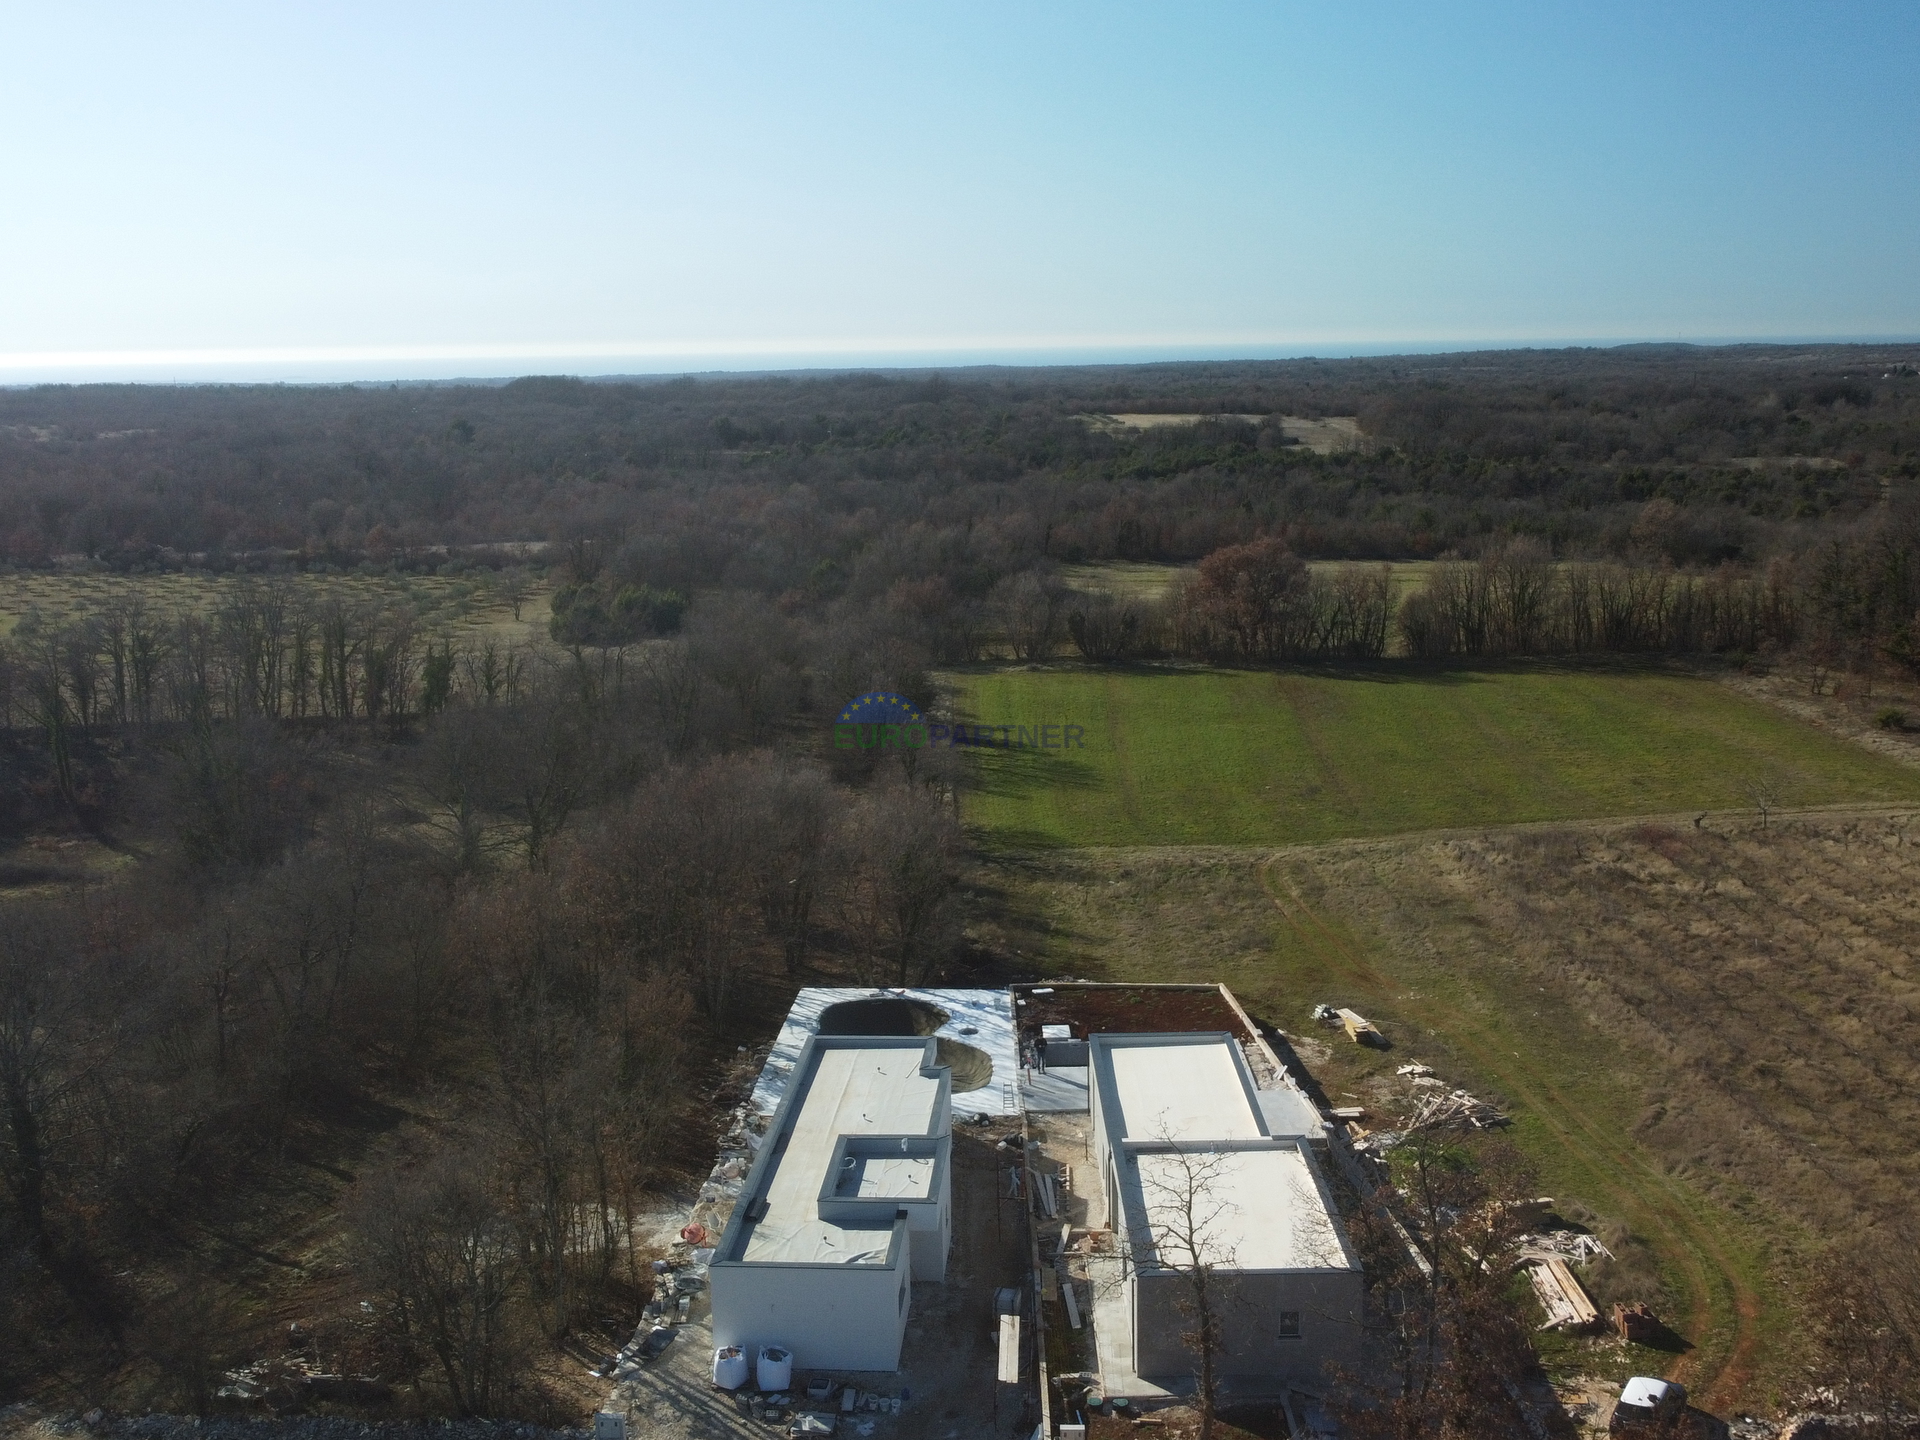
[[401, 189]]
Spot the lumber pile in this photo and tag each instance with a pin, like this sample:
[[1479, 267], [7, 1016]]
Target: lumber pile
[[1561, 1296], [1360, 1030]]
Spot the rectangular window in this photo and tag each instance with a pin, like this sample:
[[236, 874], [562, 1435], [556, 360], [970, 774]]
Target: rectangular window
[[1289, 1324], [903, 1299]]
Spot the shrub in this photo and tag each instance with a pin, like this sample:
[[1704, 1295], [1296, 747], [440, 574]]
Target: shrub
[[584, 614], [1891, 719]]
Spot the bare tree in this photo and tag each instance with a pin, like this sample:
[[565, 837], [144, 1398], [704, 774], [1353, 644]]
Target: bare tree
[[457, 772], [189, 1331], [1028, 607], [544, 760], [895, 859], [672, 687], [40, 1025], [799, 807], [437, 1249], [514, 586], [751, 653], [1438, 1250], [1187, 1213], [1865, 1314]]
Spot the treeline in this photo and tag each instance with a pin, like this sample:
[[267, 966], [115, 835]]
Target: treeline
[[1853, 605], [756, 482], [167, 1073], [1517, 602], [481, 949], [737, 663]]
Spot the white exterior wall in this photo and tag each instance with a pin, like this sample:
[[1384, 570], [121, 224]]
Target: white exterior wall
[[817, 1283], [844, 1317], [930, 1233]]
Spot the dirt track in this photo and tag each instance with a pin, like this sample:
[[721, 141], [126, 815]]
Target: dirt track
[[1708, 1033], [1635, 1188]]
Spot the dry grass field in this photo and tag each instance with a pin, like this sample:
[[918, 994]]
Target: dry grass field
[[1709, 1037], [1324, 435], [449, 604], [1132, 579]]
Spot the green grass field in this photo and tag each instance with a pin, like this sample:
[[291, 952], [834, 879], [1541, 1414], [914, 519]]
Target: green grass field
[[1192, 757]]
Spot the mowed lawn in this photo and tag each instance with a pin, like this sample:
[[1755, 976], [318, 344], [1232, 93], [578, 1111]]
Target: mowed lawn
[[1196, 757]]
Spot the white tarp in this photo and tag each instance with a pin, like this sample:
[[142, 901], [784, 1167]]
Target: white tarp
[[980, 1018]]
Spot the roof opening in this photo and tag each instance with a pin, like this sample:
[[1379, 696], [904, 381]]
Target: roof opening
[[972, 1068]]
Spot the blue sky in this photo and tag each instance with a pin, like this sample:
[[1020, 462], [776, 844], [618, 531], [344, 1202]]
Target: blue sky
[[199, 191]]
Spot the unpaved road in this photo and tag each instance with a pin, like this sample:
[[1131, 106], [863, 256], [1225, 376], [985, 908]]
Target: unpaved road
[[1723, 1308]]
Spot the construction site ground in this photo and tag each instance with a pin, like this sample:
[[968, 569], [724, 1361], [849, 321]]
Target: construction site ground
[[947, 1364]]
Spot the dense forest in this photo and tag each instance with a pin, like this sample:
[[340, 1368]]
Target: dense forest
[[759, 482], [396, 952]]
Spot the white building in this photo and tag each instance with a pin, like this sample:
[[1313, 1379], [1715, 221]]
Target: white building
[[1190, 1159], [847, 1204]]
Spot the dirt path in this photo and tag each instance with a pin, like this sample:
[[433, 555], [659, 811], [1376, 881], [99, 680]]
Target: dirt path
[[1720, 1300]]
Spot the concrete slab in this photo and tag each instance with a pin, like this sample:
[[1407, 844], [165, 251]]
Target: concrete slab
[[1113, 1339], [1055, 1090]]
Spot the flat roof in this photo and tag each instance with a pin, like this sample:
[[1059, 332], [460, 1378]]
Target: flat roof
[[1258, 1209], [1188, 1086], [1187, 1130], [854, 1087]]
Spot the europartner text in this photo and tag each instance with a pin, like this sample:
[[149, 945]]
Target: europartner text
[[927, 736]]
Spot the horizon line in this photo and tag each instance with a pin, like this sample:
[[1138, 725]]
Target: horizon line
[[55, 366]]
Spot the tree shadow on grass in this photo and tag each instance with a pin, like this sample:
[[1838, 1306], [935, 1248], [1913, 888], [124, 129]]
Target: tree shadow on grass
[[1446, 670], [1014, 774]]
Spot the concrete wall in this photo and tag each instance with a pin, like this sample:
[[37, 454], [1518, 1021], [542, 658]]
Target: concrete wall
[[1330, 1305], [833, 1317], [929, 1234]]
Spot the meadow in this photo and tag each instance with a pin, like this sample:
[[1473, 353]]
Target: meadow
[[1145, 580], [456, 605], [1704, 1036], [1185, 756]]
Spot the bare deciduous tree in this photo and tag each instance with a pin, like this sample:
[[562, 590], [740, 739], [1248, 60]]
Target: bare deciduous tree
[[1459, 1348], [444, 1259], [895, 852], [1028, 607], [1187, 1214]]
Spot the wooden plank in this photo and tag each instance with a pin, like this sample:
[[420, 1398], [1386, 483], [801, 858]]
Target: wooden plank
[[1357, 1025], [1561, 1295], [1584, 1311], [1009, 1370]]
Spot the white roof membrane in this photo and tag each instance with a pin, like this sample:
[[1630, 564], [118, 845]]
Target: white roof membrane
[[1252, 1209], [853, 1092], [1179, 1089]]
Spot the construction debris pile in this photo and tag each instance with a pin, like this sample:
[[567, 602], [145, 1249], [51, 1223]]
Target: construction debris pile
[[1576, 1247], [714, 1205], [1455, 1107]]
